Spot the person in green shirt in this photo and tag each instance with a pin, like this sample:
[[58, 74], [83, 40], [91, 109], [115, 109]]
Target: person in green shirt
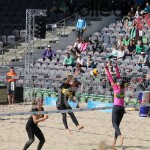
[[139, 47], [133, 32], [69, 60], [126, 41]]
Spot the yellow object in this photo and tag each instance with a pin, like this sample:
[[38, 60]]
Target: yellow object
[[94, 72], [67, 92]]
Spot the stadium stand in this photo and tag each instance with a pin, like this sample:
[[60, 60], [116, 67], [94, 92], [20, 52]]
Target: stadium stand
[[47, 74]]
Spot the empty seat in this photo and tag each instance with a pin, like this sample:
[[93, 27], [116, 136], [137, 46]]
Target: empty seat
[[1, 45], [11, 39], [23, 34], [3, 39]]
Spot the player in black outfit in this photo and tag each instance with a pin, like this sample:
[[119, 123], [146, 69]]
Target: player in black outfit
[[62, 102], [32, 127]]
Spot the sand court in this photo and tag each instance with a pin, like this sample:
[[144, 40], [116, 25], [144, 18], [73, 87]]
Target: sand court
[[98, 129]]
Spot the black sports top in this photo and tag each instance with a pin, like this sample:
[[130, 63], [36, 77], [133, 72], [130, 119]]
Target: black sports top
[[30, 121]]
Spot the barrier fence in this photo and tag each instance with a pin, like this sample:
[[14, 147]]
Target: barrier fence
[[92, 88]]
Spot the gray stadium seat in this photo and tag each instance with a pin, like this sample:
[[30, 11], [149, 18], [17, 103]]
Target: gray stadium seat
[[11, 39], [22, 34]]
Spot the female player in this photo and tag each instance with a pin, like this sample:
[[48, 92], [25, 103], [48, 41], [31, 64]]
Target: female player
[[66, 92], [32, 126], [118, 108]]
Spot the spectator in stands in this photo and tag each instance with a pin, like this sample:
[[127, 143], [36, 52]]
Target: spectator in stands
[[69, 60], [143, 60], [78, 70], [78, 43], [131, 12], [48, 53], [139, 47], [80, 26], [126, 41], [120, 42], [113, 53], [11, 84], [128, 22], [80, 61], [130, 50], [120, 53], [133, 32], [147, 8], [84, 45], [90, 63], [97, 46], [75, 52], [137, 13]]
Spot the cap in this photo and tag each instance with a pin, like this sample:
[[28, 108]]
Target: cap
[[49, 46]]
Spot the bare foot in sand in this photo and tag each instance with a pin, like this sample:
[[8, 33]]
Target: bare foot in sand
[[69, 132], [113, 145], [80, 127], [121, 140]]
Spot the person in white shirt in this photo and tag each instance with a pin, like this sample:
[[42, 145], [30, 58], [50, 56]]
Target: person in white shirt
[[137, 13], [120, 42], [113, 53], [78, 43], [80, 61], [120, 53]]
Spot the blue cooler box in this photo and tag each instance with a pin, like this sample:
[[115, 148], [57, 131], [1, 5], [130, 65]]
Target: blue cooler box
[[143, 112]]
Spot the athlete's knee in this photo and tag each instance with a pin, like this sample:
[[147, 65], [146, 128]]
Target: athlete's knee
[[31, 141], [42, 140]]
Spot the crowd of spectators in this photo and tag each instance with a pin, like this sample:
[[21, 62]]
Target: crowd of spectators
[[80, 56], [125, 46]]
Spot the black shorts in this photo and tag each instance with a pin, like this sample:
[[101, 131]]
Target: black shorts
[[11, 88]]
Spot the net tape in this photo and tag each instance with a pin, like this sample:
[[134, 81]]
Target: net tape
[[67, 111]]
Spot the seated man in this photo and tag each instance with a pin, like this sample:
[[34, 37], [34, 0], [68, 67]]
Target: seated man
[[130, 50], [48, 53], [147, 8], [139, 47], [143, 60], [78, 70], [90, 63], [120, 53], [69, 60], [126, 41], [80, 61], [113, 53]]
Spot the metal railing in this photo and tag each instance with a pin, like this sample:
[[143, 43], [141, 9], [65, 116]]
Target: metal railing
[[16, 52]]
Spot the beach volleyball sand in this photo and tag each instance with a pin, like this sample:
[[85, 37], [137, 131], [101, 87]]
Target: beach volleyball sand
[[98, 129]]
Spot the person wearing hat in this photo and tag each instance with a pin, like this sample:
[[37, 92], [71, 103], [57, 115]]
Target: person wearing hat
[[49, 53], [94, 73], [143, 60], [11, 84]]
